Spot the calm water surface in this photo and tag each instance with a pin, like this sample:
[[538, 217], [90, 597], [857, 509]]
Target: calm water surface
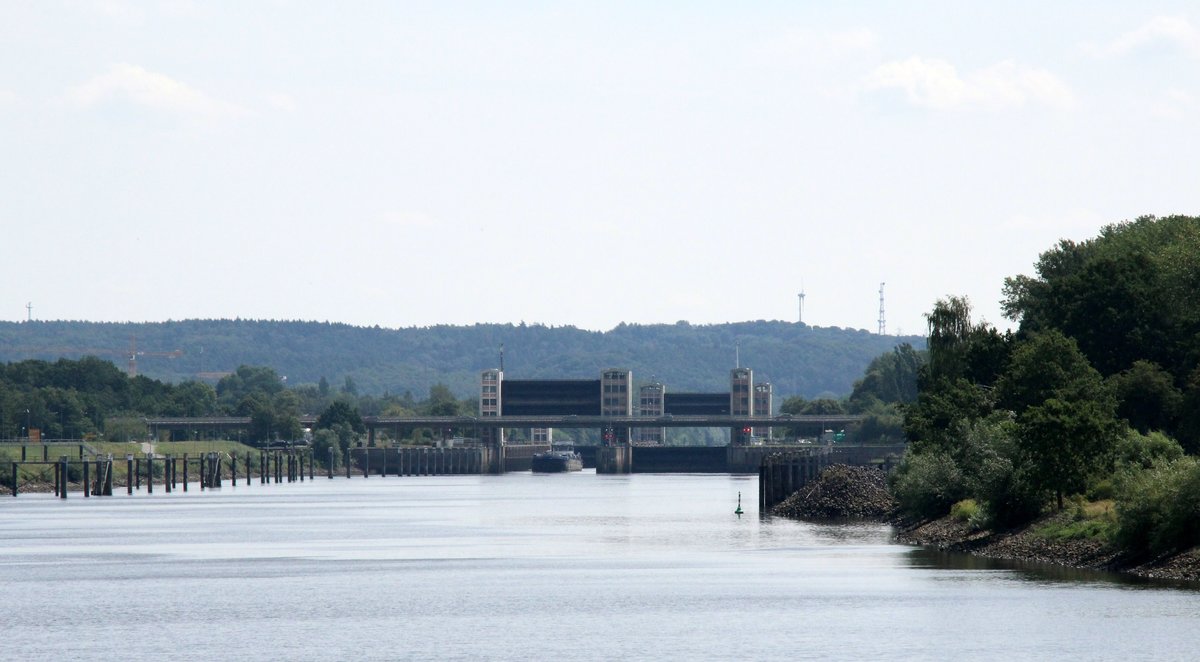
[[532, 567]]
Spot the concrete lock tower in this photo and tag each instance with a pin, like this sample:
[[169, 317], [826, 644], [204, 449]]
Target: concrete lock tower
[[490, 382], [616, 399], [741, 383], [651, 404]]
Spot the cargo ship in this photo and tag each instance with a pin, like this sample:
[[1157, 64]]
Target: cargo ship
[[556, 462]]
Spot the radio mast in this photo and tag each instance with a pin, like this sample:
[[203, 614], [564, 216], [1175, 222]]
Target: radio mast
[[882, 322]]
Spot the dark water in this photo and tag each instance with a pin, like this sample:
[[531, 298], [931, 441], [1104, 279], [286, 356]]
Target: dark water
[[532, 567]]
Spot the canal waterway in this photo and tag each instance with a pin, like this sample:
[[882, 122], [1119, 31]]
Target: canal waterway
[[530, 567]]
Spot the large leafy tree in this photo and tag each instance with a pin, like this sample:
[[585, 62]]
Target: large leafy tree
[[1147, 397], [1132, 293], [1066, 416], [341, 412], [890, 378]]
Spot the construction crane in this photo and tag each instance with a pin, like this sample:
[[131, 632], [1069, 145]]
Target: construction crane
[[131, 355], [134, 353]]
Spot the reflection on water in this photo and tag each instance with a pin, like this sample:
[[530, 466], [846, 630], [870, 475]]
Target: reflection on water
[[571, 567]]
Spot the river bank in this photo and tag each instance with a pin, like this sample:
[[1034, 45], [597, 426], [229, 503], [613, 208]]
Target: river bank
[[1029, 544], [857, 493]]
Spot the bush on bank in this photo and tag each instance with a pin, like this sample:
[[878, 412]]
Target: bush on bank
[[1158, 507]]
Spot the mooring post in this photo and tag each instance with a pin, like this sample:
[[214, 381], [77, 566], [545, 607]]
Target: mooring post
[[366, 453], [347, 463], [86, 488], [14, 475], [149, 473], [167, 462], [233, 467], [65, 472], [329, 468], [185, 471], [247, 468], [129, 474], [312, 453]]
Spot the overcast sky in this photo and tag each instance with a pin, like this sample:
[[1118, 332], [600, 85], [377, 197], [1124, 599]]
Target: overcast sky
[[405, 164]]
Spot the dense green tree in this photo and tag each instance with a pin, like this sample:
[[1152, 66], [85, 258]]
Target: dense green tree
[[258, 381], [950, 330], [1188, 431], [1065, 414], [442, 402], [324, 441], [341, 411], [1132, 293], [1146, 397], [890, 378], [192, 398], [941, 405]]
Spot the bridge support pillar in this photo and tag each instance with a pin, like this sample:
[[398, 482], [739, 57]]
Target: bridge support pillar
[[614, 459]]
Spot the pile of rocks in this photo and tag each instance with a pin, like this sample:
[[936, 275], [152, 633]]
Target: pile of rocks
[[841, 492]]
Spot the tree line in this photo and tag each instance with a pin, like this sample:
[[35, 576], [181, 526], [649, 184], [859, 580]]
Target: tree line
[[1094, 398], [798, 359]]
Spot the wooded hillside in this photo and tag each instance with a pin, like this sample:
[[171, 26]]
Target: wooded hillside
[[798, 359]]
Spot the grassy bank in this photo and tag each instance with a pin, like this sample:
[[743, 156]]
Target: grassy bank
[[40, 478]]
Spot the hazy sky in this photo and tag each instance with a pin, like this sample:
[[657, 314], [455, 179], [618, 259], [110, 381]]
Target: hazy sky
[[403, 164]]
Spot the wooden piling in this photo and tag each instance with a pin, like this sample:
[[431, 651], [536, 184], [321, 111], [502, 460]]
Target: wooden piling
[[129, 474], [14, 473], [149, 473], [66, 475], [233, 467], [247, 468]]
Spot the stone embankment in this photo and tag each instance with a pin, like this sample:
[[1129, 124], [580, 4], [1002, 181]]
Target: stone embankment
[[841, 492], [1025, 544]]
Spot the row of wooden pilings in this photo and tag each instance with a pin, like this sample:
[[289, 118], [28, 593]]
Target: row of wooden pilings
[[97, 475], [784, 472], [421, 461]]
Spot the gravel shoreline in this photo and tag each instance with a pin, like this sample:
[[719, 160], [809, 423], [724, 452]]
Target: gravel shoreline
[[1024, 545], [844, 492]]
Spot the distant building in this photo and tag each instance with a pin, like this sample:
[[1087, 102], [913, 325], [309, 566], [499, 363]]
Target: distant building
[[612, 395], [490, 382], [763, 405], [651, 405], [741, 382], [616, 389]]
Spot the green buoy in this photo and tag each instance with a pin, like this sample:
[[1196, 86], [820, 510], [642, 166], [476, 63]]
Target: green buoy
[[739, 510]]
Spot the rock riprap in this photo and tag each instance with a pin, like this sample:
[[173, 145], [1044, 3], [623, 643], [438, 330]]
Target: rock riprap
[[840, 492]]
